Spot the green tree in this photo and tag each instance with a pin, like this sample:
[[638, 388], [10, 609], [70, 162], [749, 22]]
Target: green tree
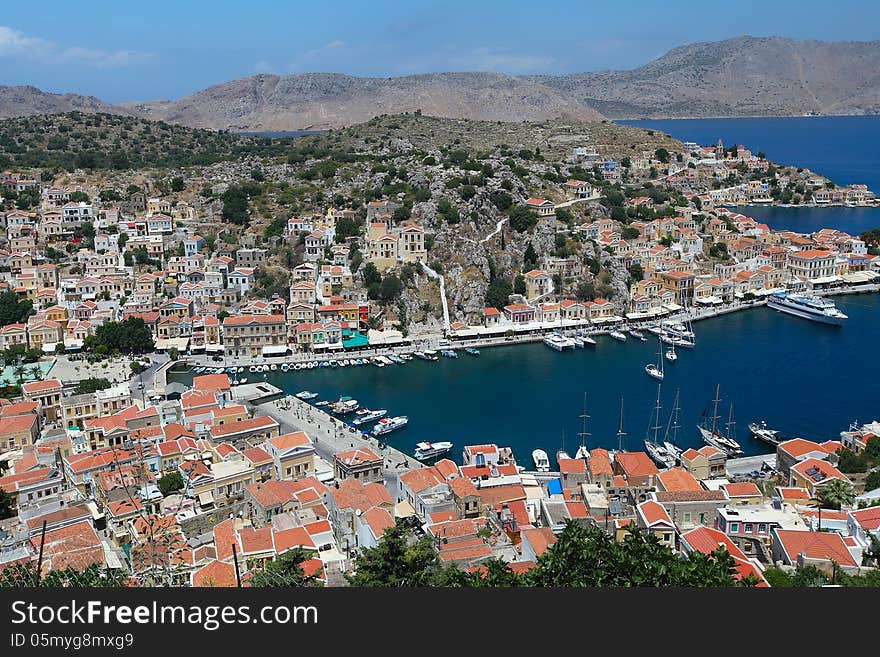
[[777, 578], [399, 559], [590, 557], [5, 504], [235, 205], [286, 571], [131, 335], [808, 577], [177, 184], [371, 275], [835, 494], [170, 483], [872, 481], [636, 272], [498, 292], [565, 216], [530, 257], [519, 284], [522, 218], [91, 385], [849, 462], [14, 310], [630, 233], [391, 288], [501, 199]]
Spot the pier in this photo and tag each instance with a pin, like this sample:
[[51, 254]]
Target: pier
[[332, 435]]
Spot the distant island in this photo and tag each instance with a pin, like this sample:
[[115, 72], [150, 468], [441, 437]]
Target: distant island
[[738, 77]]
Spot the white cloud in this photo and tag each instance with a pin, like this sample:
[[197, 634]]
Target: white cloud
[[263, 67], [310, 57], [483, 58], [15, 44]]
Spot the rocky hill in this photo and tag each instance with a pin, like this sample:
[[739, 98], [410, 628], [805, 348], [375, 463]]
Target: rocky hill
[[29, 101], [744, 76], [79, 140], [330, 100]]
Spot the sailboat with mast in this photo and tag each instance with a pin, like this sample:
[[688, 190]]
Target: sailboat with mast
[[561, 454], [656, 370], [653, 446], [583, 452], [708, 428], [621, 434], [671, 356], [669, 442]]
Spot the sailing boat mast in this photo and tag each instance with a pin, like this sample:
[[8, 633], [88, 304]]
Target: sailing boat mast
[[656, 415], [673, 420], [583, 432], [715, 411], [730, 424], [621, 434]]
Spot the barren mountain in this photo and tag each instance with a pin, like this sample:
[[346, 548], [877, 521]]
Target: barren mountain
[[744, 76], [331, 100], [29, 101]]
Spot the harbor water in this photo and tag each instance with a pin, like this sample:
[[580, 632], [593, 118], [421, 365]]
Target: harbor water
[[802, 377]]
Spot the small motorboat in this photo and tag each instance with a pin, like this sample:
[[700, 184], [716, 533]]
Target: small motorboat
[[617, 335], [473, 351]]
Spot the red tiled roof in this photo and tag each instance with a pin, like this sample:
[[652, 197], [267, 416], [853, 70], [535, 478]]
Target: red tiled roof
[[814, 545]]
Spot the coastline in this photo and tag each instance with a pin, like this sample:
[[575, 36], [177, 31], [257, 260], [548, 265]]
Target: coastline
[[432, 341]]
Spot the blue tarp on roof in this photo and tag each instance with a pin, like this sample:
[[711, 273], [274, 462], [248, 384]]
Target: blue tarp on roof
[[554, 486]]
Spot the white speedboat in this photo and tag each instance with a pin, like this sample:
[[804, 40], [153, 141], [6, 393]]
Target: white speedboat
[[558, 342], [273, 367], [671, 356], [542, 462], [426, 450], [389, 424], [617, 335]]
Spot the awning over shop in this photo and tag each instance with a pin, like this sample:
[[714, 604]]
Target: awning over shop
[[274, 349], [387, 337], [213, 348], [164, 344], [710, 300], [822, 280], [206, 499], [860, 277]]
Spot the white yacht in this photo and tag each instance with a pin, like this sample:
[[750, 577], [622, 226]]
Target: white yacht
[[389, 424], [807, 306], [617, 335], [426, 450]]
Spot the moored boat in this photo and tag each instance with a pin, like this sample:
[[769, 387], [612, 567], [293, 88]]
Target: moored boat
[[345, 405], [617, 335], [389, 424], [807, 306], [370, 416], [542, 462], [426, 450], [473, 351], [760, 431]]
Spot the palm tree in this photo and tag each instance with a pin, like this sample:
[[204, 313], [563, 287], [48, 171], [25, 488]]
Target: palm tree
[[19, 373], [37, 373], [835, 494]]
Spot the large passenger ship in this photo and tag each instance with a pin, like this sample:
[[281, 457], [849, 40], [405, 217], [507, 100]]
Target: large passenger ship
[[806, 306]]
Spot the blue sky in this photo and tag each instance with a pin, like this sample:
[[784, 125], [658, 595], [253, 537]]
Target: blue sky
[[164, 49]]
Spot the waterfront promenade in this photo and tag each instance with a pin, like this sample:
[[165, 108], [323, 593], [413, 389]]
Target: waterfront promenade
[[330, 434], [435, 341]]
